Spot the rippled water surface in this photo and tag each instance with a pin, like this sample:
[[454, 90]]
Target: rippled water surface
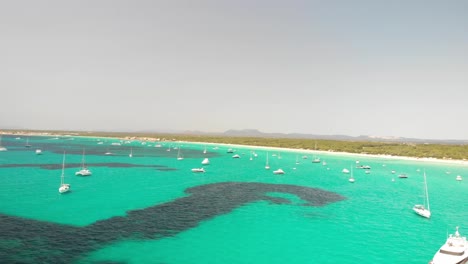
[[152, 208]]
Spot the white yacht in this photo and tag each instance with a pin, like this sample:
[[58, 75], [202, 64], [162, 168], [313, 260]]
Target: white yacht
[[278, 171], [421, 209], [64, 187], [365, 167], [38, 152], [84, 171], [454, 251], [205, 161], [459, 178], [236, 156], [198, 170], [345, 170]]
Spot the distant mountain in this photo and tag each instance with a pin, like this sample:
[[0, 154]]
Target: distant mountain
[[257, 133], [245, 133]]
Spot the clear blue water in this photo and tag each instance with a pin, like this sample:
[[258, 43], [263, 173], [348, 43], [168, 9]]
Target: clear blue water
[[138, 210]]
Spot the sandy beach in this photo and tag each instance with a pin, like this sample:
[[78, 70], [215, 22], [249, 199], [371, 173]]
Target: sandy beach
[[318, 152], [234, 146]]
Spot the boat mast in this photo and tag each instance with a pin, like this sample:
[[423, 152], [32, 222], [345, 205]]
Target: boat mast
[[83, 159], [427, 194], [62, 181]]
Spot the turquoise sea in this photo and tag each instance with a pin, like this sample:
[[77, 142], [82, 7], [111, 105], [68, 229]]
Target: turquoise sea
[[152, 208]]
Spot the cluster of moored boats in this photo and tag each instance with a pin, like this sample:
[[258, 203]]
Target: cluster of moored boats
[[453, 251], [84, 171]]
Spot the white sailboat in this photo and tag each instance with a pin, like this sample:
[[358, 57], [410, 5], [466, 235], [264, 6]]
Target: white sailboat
[[2, 148], [205, 161], [421, 209], [27, 143], [267, 166], [131, 153], [179, 156], [454, 251], [108, 152], [316, 159], [204, 151], [278, 171], [84, 171], [351, 177], [297, 159], [251, 158], [64, 187]]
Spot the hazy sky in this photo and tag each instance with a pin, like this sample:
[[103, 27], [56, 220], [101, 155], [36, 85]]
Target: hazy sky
[[355, 67]]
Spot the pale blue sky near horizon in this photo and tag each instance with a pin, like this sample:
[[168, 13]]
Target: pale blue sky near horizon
[[361, 67]]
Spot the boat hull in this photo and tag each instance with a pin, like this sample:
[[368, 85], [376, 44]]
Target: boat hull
[[64, 188], [83, 173], [420, 210], [454, 251]]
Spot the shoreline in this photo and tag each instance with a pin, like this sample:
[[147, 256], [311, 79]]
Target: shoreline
[[308, 151], [337, 153]]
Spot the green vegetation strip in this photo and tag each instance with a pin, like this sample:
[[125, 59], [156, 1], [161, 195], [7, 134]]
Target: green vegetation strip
[[439, 151]]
